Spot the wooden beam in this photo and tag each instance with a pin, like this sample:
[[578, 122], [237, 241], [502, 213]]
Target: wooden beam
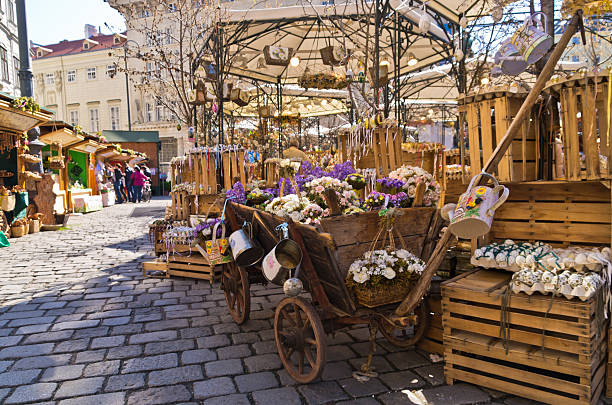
[[525, 110]]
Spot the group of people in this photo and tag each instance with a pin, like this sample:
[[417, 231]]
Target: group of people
[[128, 183]]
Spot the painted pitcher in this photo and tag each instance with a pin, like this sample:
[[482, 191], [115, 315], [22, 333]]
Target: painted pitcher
[[510, 59], [473, 214], [531, 39]]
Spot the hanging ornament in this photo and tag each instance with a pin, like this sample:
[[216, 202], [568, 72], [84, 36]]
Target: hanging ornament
[[424, 21], [215, 108], [459, 55], [463, 21], [178, 126], [497, 12]]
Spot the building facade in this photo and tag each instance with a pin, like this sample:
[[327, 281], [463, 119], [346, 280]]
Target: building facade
[[83, 83], [9, 49]]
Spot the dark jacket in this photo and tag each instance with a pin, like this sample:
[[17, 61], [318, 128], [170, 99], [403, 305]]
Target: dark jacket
[[129, 173]]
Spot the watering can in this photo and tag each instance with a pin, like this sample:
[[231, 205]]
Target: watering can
[[531, 39], [473, 214], [245, 251], [510, 59], [285, 256]]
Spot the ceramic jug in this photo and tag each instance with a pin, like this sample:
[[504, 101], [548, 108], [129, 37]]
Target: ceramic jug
[[473, 214], [531, 39]]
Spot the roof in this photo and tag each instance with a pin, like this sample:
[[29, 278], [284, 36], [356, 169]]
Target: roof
[[74, 47], [131, 136]]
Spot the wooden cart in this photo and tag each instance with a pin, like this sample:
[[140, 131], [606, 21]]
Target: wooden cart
[[301, 323]]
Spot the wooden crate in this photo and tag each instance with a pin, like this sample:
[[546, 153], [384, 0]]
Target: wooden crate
[[585, 122], [194, 266], [385, 155], [555, 351], [559, 213], [432, 341], [150, 269], [430, 157], [488, 116]]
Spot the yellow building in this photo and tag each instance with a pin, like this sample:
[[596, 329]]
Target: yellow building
[[80, 81]]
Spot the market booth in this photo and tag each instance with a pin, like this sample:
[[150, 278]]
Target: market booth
[[17, 116]]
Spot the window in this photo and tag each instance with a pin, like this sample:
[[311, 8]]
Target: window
[[148, 112], [159, 111], [15, 69], [171, 7], [114, 117], [5, 64], [168, 36], [85, 45], [111, 71], [49, 78], [71, 76], [575, 41], [91, 73], [10, 5], [169, 149], [94, 122], [575, 58], [116, 40], [74, 117]]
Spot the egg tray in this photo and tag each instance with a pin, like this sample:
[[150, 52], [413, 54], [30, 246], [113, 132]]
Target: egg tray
[[568, 292], [488, 263]]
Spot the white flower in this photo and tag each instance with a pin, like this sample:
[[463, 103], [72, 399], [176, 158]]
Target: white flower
[[389, 273], [360, 277]]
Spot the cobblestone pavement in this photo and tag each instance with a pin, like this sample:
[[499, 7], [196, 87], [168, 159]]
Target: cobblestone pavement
[[79, 325]]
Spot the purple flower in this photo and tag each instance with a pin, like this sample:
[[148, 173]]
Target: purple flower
[[388, 182], [341, 170], [209, 223], [237, 193]]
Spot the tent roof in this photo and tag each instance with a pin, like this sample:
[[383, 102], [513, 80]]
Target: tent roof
[[307, 28]]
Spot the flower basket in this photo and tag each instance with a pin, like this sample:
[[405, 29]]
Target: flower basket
[[277, 55], [7, 202], [322, 80], [372, 297]]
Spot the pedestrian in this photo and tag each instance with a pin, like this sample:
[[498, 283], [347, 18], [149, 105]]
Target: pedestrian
[[138, 181], [118, 176], [129, 182]]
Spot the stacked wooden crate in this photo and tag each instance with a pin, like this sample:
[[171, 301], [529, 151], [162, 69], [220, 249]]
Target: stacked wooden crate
[[379, 148]]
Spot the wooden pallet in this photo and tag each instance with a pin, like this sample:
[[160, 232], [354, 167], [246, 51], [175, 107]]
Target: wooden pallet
[[488, 117], [584, 116], [559, 213], [555, 350], [385, 154], [194, 266], [155, 269]]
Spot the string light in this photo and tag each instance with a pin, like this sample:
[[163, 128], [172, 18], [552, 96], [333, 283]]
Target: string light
[[295, 61]]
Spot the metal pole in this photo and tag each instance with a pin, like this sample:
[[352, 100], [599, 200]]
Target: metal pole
[[279, 100], [220, 73], [319, 131], [127, 87], [376, 54]]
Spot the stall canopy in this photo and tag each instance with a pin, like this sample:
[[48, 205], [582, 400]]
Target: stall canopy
[[307, 28], [131, 136], [59, 132], [17, 121]]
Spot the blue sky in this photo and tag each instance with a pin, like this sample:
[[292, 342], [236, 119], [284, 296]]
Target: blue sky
[[50, 21]]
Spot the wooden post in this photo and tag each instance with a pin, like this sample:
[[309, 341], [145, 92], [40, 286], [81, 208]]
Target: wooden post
[[525, 110]]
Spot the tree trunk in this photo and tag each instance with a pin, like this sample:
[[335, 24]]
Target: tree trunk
[[548, 9]]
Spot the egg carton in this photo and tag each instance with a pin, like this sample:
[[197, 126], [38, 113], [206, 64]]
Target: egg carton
[[489, 263], [565, 290]]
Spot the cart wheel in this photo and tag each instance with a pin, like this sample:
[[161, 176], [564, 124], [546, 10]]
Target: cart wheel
[[235, 284], [407, 336], [300, 339]]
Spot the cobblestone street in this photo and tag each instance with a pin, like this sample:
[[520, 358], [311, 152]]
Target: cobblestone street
[[79, 325]]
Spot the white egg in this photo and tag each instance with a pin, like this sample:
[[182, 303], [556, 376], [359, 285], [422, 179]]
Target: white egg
[[580, 258]]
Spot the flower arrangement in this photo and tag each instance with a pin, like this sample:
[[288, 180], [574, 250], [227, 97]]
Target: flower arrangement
[[346, 196], [26, 104], [389, 185], [384, 276], [356, 180], [411, 176], [322, 80], [204, 229], [313, 213], [237, 193], [376, 200], [290, 204], [257, 197]]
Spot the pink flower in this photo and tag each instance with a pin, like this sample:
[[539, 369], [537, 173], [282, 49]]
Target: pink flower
[[319, 189]]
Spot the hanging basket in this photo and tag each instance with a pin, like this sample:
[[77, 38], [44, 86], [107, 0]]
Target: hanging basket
[[322, 80], [371, 297], [277, 55]]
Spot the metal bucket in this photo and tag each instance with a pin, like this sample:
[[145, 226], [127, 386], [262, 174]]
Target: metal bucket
[[531, 39], [510, 59], [285, 256], [245, 251]]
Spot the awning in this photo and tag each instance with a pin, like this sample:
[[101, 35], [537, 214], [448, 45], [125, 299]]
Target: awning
[[17, 121], [63, 136], [86, 146], [108, 153]]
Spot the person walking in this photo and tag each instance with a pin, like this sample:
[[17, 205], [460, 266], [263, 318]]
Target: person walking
[[118, 176], [129, 182], [138, 181]]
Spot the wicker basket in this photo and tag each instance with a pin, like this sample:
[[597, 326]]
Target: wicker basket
[[26, 228], [34, 226], [7, 202], [17, 231], [383, 295]]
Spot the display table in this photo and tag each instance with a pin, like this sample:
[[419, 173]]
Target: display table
[[78, 193]]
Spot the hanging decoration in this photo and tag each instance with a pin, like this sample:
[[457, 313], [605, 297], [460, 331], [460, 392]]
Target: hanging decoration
[[424, 21]]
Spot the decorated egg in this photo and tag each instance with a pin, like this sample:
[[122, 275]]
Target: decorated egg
[[574, 280], [580, 259]]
